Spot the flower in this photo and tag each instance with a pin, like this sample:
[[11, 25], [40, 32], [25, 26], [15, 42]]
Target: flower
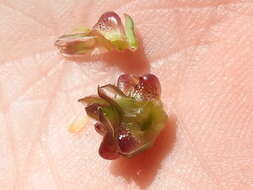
[[106, 35], [130, 115]]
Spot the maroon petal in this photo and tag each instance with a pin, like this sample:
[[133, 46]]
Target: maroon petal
[[127, 143], [148, 87], [108, 148], [109, 22], [115, 91], [107, 123], [92, 110], [109, 93], [127, 83], [100, 128]]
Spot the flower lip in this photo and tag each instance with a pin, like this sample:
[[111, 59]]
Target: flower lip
[[108, 148], [126, 141]]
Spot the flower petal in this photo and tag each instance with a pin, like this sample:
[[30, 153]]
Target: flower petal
[[110, 93], [93, 100], [76, 43], [100, 128], [110, 26], [148, 87], [126, 83], [92, 110], [130, 34], [108, 148]]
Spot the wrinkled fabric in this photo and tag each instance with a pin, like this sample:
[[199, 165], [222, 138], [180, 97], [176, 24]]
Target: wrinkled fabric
[[201, 51]]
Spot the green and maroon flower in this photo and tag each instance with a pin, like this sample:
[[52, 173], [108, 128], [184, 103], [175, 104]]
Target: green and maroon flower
[[129, 115], [106, 35]]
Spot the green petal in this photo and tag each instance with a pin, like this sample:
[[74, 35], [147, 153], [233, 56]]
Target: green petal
[[93, 100], [130, 34], [110, 118], [76, 43], [82, 29]]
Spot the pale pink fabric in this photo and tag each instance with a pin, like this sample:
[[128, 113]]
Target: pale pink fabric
[[200, 49]]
